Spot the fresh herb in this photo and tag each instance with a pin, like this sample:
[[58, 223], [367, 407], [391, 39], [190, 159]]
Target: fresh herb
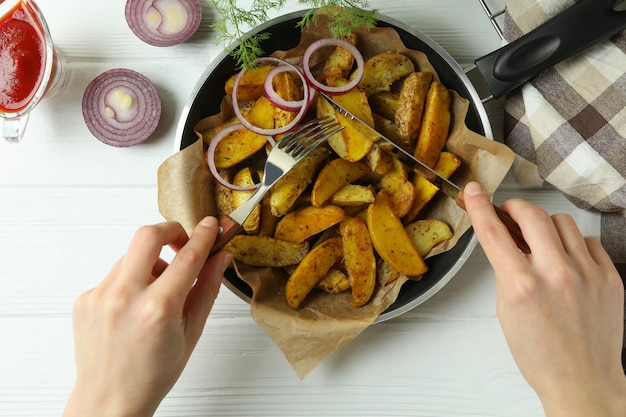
[[234, 22]]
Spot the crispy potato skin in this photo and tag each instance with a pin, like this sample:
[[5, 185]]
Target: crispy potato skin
[[411, 101], [425, 191], [428, 233], [251, 84], [308, 221], [311, 270], [286, 191], [382, 70], [243, 178], [358, 253], [334, 176], [334, 282], [435, 125], [262, 251], [391, 240]]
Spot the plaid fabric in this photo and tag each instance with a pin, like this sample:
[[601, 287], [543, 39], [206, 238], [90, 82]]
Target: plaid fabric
[[568, 126]]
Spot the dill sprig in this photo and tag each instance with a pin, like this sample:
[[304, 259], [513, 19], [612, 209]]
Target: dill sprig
[[234, 22]]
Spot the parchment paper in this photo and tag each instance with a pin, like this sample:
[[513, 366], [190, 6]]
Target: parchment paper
[[326, 322]]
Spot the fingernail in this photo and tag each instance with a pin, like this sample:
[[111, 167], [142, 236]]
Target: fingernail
[[473, 188], [208, 221]]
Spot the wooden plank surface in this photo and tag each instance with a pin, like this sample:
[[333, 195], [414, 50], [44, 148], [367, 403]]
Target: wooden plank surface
[[69, 205]]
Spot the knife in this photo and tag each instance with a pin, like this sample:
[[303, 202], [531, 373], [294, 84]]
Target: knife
[[448, 187]]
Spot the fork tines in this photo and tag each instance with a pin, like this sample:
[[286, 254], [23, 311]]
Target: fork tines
[[309, 135]]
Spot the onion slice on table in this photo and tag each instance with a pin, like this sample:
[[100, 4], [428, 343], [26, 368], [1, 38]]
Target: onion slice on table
[[163, 22], [310, 78], [301, 111], [215, 140], [121, 107]]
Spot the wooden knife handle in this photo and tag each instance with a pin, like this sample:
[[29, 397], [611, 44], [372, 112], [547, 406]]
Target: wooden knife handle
[[511, 225], [228, 229]]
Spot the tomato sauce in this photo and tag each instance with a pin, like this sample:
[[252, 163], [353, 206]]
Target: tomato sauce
[[22, 58]]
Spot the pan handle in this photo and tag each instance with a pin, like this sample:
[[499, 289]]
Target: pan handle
[[578, 27]]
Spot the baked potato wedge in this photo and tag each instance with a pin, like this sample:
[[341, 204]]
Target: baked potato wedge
[[428, 233], [265, 251], [333, 176], [425, 191], [339, 63], [359, 259], [297, 226], [385, 103], [400, 191], [382, 70], [390, 239], [410, 107], [289, 188], [311, 270], [334, 282], [251, 83], [378, 161], [435, 125], [353, 195], [243, 178], [236, 147]]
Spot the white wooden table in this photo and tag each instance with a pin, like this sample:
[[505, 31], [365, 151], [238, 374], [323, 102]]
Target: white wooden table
[[69, 205]]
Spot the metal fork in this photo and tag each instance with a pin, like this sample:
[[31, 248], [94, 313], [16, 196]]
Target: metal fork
[[287, 152]]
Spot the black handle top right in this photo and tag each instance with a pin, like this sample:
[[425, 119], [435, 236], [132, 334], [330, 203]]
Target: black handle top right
[[578, 27]]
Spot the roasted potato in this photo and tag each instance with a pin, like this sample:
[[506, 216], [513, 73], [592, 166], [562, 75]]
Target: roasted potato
[[410, 107], [334, 282], [435, 125], [390, 239], [333, 176], [243, 178], [447, 164], [358, 254], [385, 103], [382, 70], [251, 83], [287, 190], [353, 195], [311, 270], [339, 63], [308, 221], [400, 191], [428, 233], [378, 161], [236, 147], [266, 251]]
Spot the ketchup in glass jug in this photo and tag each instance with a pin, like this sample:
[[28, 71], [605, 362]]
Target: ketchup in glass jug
[[30, 66], [22, 58]]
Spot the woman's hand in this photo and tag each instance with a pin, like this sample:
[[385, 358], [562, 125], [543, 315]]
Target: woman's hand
[[134, 333], [561, 307]]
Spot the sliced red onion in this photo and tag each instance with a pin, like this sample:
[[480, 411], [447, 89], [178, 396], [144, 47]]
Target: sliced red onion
[[121, 107], [310, 78], [215, 140], [272, 95], [163, 22], [277, 131]]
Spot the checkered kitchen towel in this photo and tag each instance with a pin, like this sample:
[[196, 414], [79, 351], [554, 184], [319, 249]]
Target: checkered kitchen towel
[[568, 125]]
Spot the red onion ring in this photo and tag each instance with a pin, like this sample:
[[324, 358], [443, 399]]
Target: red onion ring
[[322, 87], [277, 131], [121, 107], [211, 156], [272, 95], [163, 22]]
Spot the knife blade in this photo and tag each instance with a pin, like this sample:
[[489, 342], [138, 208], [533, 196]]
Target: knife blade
[[448, 187]]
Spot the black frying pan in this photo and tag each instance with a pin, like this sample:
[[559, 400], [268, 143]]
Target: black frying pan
[[586, 23]]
